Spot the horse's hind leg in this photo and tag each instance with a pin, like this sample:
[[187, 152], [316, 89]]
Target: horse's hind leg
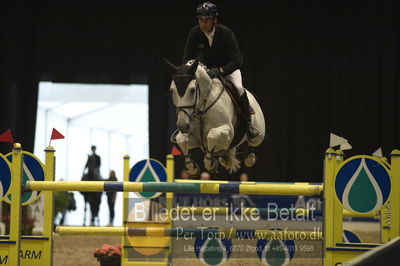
[[92, 212], [191, 166], [95, 201], [97, 206], [84, 211], [250, 158]]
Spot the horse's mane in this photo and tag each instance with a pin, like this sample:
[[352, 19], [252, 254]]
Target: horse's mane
[[190, 62], [201, 70]]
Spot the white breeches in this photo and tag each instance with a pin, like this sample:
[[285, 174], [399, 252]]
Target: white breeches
[[236, 79]]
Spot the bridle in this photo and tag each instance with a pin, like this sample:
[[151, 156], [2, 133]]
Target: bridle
[[199, 114], [183, 108]]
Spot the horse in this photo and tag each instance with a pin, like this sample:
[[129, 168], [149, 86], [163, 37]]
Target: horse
[[207, 119], [64, 201], [92, 198]]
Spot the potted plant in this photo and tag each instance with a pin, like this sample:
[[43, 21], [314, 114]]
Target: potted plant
[[108, 255], [27, 221]]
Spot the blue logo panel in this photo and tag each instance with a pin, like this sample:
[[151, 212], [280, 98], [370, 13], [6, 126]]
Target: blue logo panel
[[148, 170], [32, 170], [5, 176], [351, 237], [363, 184]]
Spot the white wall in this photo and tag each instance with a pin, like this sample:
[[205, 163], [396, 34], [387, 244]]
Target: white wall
[[112, 145]]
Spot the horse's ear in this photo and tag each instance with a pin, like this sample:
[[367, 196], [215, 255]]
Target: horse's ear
[[193, 67], [171, 67]]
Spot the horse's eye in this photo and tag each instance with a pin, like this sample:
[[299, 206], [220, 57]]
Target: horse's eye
[[192, 90]]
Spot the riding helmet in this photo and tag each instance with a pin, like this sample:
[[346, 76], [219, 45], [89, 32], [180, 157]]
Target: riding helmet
[[207, 10]]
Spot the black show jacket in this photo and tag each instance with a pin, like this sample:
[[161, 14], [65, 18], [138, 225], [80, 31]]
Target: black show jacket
[[223, 53]]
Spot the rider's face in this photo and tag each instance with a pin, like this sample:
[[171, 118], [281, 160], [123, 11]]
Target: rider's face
[[207, 24]]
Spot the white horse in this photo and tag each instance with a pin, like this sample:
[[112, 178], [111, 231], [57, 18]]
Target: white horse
[[207, 119]]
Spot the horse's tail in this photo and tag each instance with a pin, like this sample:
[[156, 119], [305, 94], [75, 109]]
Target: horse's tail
[[230, 162]]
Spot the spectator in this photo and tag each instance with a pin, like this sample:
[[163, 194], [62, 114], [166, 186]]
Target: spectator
[[184, 174], [111, 196], [244, 177], [205, 176]]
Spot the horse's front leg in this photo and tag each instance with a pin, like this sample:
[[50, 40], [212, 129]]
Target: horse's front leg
[[192, 167], [218, 138]]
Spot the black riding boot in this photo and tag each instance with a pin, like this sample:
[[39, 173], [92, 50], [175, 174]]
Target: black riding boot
[[252, 131]]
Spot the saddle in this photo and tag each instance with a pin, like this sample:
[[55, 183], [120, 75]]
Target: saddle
[[233, 93]]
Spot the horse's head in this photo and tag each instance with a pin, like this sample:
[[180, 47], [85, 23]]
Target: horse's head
[[185, 92]]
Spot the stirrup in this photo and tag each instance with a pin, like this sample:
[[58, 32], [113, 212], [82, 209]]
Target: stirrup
[[173, 136], [253, 132]]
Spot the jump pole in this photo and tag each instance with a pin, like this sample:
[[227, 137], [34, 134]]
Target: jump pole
[[100, 186], [332, 162], [180, 232]]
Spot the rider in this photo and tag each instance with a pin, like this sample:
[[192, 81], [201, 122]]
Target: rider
[[216, 47], [93, 162]]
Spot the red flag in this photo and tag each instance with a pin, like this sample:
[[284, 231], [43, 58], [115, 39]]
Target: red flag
[[175, 151], [56, 135], [7, 137]]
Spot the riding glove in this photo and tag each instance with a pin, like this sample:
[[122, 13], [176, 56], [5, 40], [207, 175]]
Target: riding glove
[[213, 73]]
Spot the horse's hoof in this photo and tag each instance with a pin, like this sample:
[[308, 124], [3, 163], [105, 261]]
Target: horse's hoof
[[211, 164], [250, 160], [193, 169], [193, 172]]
